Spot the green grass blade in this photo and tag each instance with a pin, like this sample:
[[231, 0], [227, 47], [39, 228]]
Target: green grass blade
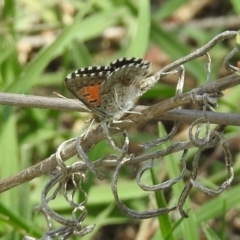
[[167, 9], [170, 44], [140, 39], [189, 226], [81, 29], [165, 224], [209, 233], [17, 222], [236, 6]]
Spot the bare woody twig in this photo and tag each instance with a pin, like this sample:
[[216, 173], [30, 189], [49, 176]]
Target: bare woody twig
[[155, 111], [184, 115]]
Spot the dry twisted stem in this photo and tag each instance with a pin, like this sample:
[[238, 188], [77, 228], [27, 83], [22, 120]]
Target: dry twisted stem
[[156, 111], [206, 95], [68, 227]]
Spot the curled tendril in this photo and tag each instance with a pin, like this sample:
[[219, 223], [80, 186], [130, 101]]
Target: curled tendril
[[69, 227], [195, 138], [179, 90], [229, 166], [226, 63], [63, 174], [165, 184], [128, 211], [86, 160], [188, 185]]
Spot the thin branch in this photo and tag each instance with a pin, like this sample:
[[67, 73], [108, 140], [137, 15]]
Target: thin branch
[[96, 135], [199, 52], [62, 104], [231, 22], [22, 100]]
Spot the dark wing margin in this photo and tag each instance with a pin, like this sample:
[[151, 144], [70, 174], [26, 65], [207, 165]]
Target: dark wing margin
[[86, 77]]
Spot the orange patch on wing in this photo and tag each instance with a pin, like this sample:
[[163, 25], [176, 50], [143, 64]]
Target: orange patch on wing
[[92, 94]]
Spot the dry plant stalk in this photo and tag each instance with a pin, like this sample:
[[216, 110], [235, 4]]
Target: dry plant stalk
[[205, 96]]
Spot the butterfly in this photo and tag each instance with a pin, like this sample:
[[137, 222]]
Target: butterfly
[[109, 92]]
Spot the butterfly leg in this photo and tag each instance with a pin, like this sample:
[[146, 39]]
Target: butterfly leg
[[109, 139], [88, 129], [134, 112], [86, 160], [122, 121]]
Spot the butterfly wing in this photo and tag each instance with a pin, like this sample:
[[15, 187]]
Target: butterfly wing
[[122, 87], [85, 84]]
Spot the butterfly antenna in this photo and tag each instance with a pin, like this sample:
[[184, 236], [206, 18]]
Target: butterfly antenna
[[68, 99]]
